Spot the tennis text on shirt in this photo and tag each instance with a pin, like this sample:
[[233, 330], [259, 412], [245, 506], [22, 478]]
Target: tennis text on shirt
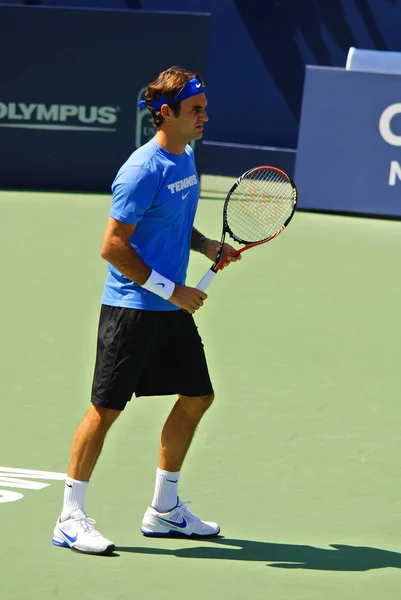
[[183, 184]]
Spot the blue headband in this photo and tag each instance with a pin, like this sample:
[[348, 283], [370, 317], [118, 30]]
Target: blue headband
[[192, 88]]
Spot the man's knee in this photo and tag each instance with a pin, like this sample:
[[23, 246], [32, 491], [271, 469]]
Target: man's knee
[[196, 406], [104, 417]]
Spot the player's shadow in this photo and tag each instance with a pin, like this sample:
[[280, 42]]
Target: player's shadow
[[338, 557]]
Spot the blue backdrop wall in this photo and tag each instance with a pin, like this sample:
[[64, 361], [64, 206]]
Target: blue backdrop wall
[[70, 85], [259, 48]]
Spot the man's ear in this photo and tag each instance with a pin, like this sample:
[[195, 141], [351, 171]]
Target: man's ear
[[166, 112]]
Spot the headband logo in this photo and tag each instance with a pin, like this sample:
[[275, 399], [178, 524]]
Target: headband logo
[[192, 88]]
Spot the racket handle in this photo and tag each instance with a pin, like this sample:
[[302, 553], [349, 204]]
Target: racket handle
[[206, 279]]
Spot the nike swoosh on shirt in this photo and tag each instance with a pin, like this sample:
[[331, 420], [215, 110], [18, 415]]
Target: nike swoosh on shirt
[[198, 85], [185, 195], [181, 525], [70, 538]]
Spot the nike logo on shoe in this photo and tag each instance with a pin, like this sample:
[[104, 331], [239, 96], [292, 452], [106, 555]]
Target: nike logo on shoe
[[181, 525], [69, 537]]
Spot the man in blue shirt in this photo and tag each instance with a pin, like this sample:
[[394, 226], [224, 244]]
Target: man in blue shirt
[[146, 345]]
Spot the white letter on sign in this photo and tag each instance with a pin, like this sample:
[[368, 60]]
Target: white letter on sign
[[385, 124], [395, 171]]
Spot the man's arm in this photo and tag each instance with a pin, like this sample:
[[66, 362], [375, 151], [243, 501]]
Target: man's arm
[[117, 250], [197, 240], [200, 243]]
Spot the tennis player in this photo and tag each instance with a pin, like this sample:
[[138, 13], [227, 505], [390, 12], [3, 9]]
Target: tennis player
[[146, 345]]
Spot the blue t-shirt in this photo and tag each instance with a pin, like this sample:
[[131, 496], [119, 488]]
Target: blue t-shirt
[[158, 191]]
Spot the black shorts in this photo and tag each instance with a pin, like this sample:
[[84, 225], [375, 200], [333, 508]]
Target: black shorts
[[147, 353]]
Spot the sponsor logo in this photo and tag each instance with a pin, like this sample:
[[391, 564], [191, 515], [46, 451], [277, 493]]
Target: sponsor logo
[[72, 539], [395, 172], [181, 525], [22, 479], [385, 123], [58, 117], [386, 128]]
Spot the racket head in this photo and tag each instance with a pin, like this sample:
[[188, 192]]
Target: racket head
[[260, 204]]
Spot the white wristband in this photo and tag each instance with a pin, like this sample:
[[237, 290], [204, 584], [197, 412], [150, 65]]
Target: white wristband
[[159, 285]]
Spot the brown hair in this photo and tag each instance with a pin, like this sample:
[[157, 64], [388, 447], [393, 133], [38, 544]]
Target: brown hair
[[168, 84]]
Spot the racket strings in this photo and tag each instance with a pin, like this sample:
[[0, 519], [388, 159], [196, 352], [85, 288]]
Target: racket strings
[[260, 205]]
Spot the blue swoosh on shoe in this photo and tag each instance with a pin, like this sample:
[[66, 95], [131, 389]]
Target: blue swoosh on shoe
[[181, 525], [71, 539]]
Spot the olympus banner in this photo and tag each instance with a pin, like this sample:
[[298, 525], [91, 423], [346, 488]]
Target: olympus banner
[[57, 116], [69, 116], [349, 147]]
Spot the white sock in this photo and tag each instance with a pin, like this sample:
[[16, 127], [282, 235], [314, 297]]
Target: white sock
[[165, 495], [74, 496]]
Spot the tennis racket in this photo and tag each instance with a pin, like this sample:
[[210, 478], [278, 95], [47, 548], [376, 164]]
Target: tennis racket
[[258, 207]]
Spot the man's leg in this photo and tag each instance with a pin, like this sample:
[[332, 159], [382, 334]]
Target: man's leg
[[74, 529], [175, 440], [167, 516], [86, 446], [112, 388], [179, 429], [88, 441]]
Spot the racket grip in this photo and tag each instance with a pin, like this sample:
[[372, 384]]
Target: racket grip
[[206, 279]]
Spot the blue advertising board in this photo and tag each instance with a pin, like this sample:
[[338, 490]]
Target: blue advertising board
[[231, 160], [349, 146], [70, 84]]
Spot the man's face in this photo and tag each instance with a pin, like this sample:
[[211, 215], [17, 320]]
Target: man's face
[[189, 124]]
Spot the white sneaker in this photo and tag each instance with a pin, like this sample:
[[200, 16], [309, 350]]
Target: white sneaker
[[179, 521], [78, 533]]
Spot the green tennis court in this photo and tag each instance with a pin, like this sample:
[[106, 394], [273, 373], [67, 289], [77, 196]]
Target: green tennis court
[[298, 459]]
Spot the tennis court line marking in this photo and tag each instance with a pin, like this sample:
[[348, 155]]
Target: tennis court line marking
[[22, 479]]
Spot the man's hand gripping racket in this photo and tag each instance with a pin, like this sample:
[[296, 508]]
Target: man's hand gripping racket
[[258, 207]]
